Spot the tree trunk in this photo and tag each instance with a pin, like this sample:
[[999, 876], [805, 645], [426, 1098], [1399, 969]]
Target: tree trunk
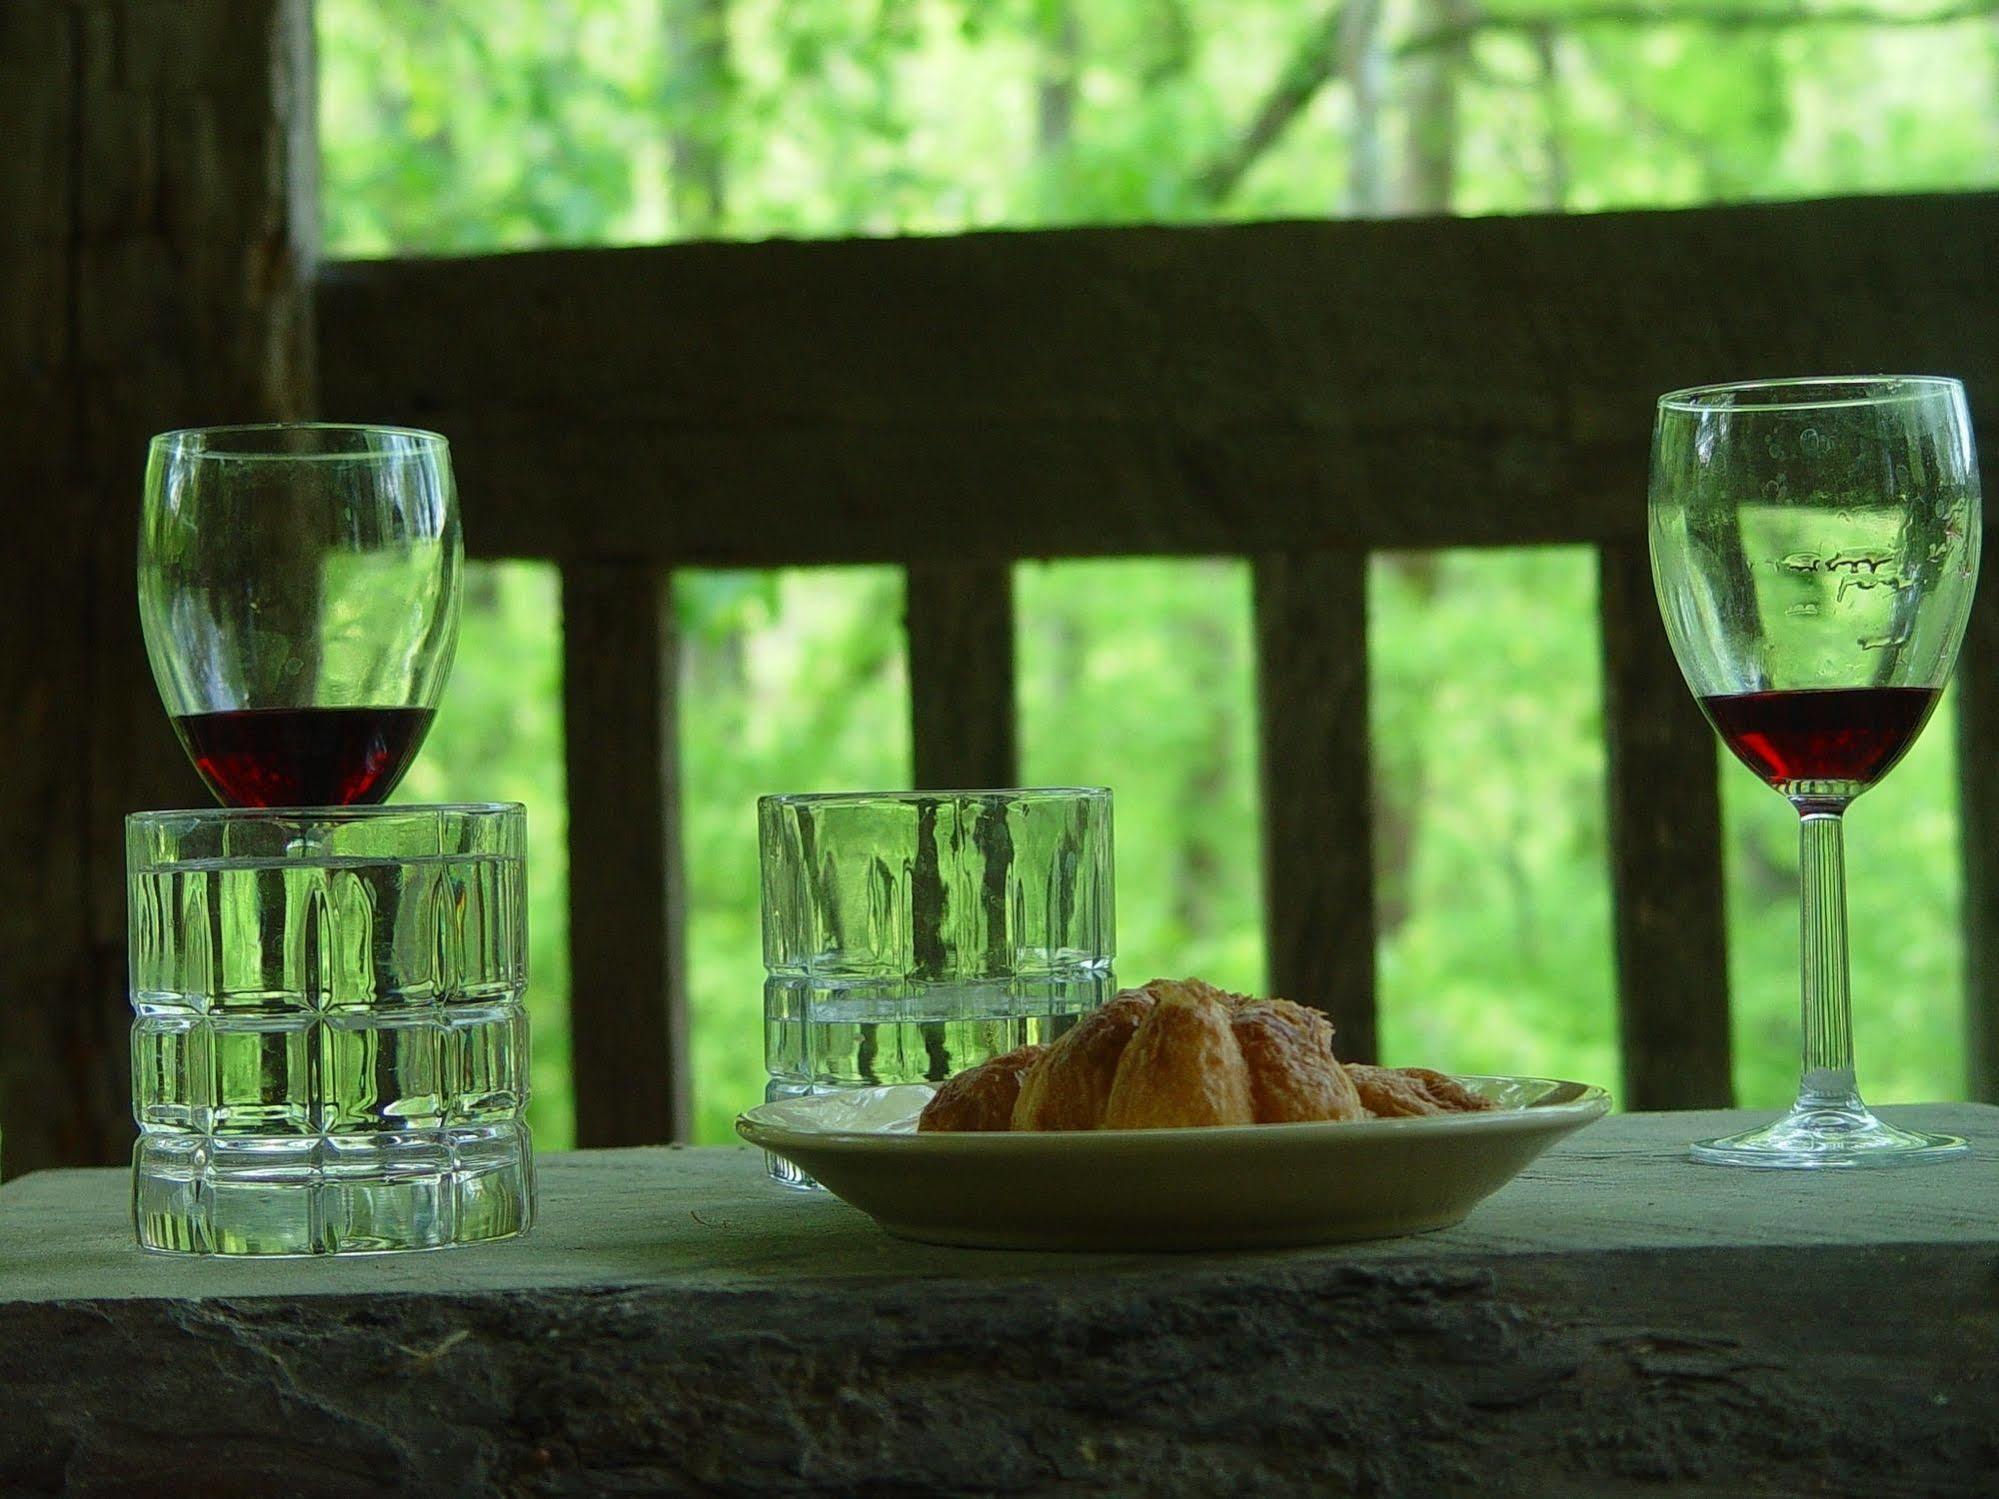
[[697, 44], [1055, 90], [1364, 66], [1429, 171]]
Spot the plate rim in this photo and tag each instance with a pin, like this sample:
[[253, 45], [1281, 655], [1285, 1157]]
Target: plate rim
[[1591, 1102]]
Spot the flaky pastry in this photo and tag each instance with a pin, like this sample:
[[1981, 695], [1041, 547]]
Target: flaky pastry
[[1182, 1052]]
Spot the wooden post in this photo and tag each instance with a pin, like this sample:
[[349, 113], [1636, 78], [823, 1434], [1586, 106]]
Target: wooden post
[[153, 267], [1665, 851], [1318, 818], [627, 990], [1978, 801], [961, 678]]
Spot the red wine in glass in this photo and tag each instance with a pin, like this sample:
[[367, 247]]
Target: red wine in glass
[[1837, 737], [303, 757], [298, 590]]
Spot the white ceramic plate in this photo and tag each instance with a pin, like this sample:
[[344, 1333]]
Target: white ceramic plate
[[1227, 1187]]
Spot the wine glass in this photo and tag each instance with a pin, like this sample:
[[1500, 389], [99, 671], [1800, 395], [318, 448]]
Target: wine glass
[[1815, 547], [298, 589]]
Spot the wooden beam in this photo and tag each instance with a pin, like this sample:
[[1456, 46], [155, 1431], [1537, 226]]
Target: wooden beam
[[627, 989], [1665, 853], [154, 273], [1978, 799], [1227, 390], [1318, 823], [961, 677]]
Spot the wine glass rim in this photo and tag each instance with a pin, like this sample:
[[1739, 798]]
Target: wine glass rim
[[1808, 393], [190, 442]]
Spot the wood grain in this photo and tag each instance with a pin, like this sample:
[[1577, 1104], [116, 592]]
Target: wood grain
[[627, 912], [961, 677], [1318, 824], [1228, 390], [1665, 855], [153, 274]]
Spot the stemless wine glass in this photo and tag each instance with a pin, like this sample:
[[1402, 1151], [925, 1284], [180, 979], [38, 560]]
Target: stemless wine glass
[[298, 587], [1815, 547]]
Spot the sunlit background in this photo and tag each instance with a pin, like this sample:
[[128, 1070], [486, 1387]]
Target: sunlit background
[[455, 126]]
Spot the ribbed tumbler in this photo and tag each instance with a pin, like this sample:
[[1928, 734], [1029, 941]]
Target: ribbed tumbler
[[909, 935], [329, 1050]]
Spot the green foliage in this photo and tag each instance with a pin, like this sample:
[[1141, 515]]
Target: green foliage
[[470, 125]]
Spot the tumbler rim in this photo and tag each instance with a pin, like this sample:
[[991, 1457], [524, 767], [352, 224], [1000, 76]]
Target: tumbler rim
[[189, 443], [1007, 793], [1867, 390], [323, 815]]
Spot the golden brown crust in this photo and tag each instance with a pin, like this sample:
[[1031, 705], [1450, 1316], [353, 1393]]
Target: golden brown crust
[[1181, 1052], [981, 1098], [1070, 1087], [1293, 1074], [1404, 1092], [1183, 1066]]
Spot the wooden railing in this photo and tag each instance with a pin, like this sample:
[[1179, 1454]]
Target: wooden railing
[[1299, 394]]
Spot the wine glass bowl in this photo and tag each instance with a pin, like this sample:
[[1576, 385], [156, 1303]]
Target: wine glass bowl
[[1815, 549], [299, 591]]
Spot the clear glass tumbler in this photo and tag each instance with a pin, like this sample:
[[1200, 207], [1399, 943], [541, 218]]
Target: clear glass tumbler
[[909, 935], [329, 1050]]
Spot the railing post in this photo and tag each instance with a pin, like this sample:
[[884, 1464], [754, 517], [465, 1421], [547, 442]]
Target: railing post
[[963, 720], [155, 269], [1665, 853], [1318, 817], [627, 992]]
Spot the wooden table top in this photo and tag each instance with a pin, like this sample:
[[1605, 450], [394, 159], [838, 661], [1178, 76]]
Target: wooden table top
[[1616, 1320]]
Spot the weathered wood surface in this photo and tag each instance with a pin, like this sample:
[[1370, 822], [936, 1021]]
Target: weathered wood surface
[[1238, 389], [1617, 1321], [1665, 854], [1318, 793], [627, 913], [963, 718], [153, 266]]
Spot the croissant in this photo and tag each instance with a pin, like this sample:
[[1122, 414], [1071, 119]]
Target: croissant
[[1183, 1066], [1072, 1085], [1181, 1052], [1403, 1092], [982, 1098]]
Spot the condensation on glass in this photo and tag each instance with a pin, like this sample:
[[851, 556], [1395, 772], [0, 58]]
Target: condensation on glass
[[329, 1049], [909, 935]]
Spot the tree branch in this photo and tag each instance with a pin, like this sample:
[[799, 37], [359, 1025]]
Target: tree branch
[[1311, 67], [1720, 17]]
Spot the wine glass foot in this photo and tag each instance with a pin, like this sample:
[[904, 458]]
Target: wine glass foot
[[1845, 1136]]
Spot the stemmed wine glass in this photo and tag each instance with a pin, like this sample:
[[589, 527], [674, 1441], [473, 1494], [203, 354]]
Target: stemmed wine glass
[[298, 588], [1815, 547]]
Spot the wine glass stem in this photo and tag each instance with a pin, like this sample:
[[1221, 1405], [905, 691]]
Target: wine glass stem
[[1827, 1011]]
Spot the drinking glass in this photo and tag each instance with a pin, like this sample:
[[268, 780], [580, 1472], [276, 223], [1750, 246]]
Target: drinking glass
[[910, 935], [298, 588], [1815, 547], [329, 1041]]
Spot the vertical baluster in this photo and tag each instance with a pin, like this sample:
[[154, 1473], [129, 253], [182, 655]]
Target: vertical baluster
[[628, 1002], [961, 676], [1318, 814], [1978, 801], [1665, 852]]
